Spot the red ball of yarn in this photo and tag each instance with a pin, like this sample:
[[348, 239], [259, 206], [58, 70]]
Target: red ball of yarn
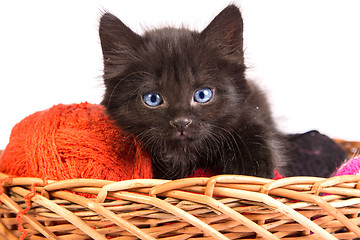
[[73, 141]]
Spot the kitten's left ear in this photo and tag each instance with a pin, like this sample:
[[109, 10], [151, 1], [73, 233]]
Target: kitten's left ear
[[116, 38], [226, 32]]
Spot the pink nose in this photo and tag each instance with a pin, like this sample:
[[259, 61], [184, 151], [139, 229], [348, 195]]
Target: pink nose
[[181, 124]]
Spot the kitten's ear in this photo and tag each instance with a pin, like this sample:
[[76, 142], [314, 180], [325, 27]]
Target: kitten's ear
[[226, 32], [116, 38]]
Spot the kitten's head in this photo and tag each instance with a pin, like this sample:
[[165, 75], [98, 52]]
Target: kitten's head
[[175, 86]]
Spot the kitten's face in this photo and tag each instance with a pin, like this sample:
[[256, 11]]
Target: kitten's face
[[175, 85]]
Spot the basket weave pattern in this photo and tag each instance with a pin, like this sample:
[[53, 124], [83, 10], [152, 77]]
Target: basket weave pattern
[[221, 207], [351, 148]]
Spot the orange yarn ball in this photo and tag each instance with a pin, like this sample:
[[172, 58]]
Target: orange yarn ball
[[73, 141]]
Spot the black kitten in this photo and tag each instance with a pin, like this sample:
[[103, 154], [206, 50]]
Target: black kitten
[[185, 96]]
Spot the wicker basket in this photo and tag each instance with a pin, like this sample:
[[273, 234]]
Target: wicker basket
[[221, 207], [351, 148]]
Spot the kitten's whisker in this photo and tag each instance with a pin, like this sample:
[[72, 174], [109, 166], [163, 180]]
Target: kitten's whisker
[[231, 140]]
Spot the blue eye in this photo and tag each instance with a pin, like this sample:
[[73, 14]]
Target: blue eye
[[203, 95], [152, 99]]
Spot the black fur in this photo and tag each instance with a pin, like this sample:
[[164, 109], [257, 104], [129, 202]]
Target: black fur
[[233, 133]]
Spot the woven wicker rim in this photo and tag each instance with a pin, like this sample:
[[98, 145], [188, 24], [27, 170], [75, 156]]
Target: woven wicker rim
[[220, 207], [335, 197]]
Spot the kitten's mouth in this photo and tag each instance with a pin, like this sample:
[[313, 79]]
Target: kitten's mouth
[[182, 136]]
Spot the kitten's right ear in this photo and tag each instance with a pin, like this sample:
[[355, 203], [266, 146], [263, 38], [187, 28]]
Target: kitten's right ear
[[225, 32], [116, 38]]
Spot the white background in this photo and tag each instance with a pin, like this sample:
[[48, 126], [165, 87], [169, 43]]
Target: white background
[[305, 53]]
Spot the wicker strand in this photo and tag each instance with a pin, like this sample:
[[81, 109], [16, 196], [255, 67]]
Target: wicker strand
[[104, 212], [171, 209], [16, 208], [260, 197], [72, 218], [264, 198], [8, 234]]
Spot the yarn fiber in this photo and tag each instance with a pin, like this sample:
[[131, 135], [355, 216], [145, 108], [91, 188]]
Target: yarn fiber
[[73, 141]]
